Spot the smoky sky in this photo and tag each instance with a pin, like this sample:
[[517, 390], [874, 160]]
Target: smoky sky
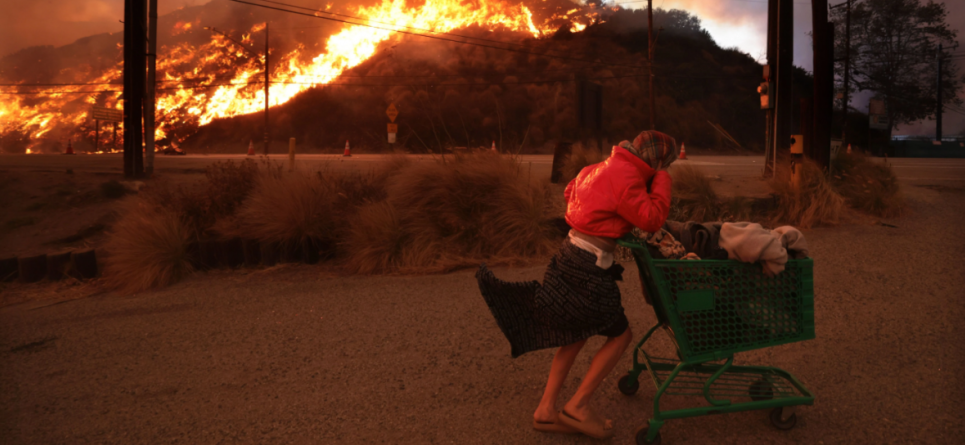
[[743, 24], [59, 22], [732, 23]]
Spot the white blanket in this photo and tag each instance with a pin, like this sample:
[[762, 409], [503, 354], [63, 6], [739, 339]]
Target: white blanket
[[751, 243]]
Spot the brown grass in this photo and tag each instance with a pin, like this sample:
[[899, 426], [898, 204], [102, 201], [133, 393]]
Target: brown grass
[[148, 248], [202, 205], [816, 203], [405, 217], [693, 195], [290, 207], [867, 185], [579, 158], [438, 216]]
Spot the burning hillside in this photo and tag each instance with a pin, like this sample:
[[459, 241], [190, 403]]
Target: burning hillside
[[204, 76]]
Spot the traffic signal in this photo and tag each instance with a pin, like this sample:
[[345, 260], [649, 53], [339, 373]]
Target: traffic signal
[[766, 91]]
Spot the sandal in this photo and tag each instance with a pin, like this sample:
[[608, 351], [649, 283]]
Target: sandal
[[553, 427], [592, 426]]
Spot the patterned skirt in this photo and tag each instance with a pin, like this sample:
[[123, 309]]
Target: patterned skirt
[[576, 301]]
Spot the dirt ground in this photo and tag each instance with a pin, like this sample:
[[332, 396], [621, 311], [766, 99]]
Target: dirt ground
[[47, 210], [295, 354]]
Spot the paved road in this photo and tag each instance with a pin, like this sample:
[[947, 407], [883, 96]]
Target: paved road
[[911, 169], [295, 355]]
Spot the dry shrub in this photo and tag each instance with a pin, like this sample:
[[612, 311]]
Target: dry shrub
[[867, 185], [814, 203], [693, 195], [579, 158], [438, 216], [148, 248], [290, 207], [200, 206], [737, 208]]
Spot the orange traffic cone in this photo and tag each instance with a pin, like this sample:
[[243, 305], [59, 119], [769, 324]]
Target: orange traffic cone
[[849, 148], [683, 151], [348, 152], [494, 147], [251, 148], [70, 148]]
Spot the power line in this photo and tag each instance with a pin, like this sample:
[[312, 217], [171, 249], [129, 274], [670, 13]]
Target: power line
[[548, 55], [388, 24], [410, 84]]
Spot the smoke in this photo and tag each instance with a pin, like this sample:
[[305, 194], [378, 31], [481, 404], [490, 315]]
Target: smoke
[[60, 22]]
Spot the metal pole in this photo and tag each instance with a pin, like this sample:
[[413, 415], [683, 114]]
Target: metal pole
[[847, 72], [266, 88], [149, 104], [650, 57], [938, 105]]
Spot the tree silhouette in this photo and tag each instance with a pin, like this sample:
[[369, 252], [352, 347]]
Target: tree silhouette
[[894, 53]]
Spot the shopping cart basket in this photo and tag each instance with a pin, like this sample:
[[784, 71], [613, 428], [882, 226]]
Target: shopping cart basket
[[711, 310]]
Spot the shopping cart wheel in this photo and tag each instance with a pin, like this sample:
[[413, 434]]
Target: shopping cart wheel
[[641, 437], [782, 424], [627, 387], [761, 390]]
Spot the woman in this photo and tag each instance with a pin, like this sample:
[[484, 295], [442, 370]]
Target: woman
[[579, 297]]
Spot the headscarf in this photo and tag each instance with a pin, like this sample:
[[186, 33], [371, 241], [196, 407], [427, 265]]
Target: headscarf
[[657, 149]]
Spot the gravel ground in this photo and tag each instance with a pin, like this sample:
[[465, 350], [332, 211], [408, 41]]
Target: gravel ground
[[290, 355]]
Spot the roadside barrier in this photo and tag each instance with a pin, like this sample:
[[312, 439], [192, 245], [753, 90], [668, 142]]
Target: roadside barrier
[[348, 152], [683, 151]]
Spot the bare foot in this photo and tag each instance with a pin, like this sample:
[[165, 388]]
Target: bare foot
[[583, 413], [545, 415]]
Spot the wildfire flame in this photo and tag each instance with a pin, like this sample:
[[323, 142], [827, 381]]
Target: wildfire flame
[[231, 80]]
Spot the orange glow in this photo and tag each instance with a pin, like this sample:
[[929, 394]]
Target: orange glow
[[231, 80]]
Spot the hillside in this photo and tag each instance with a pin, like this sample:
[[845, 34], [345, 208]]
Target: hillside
[[507, 87], [452, 95]]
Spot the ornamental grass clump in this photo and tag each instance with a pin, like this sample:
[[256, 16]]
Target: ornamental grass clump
[[579, 158], [693, 196], [290, 207], [869, 186], [438, 216], [147, 248], [814, 203]]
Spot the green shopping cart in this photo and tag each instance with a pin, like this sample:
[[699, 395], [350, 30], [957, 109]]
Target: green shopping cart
[[712, 309]]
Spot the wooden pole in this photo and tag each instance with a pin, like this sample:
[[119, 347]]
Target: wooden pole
[[149, 106], [135, 34], [266, 89], [822, 102], [847, 73], [938, 111], [650, 58]]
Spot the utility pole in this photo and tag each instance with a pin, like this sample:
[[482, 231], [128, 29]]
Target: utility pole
[[135, 34], [938, 111], [780, 45], [149, 106], [823, 99], [255, 54], [650, 57], [266, 89], [847, 72], [770, 75]]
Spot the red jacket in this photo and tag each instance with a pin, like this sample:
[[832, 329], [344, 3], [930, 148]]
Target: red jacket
[[610, 198]]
